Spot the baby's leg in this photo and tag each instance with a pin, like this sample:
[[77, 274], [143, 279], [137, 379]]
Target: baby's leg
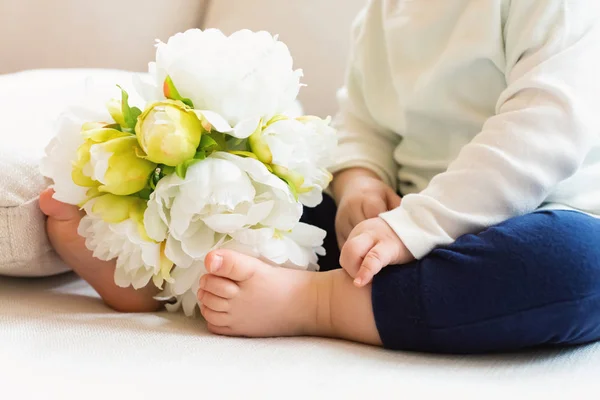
[[246, 297], [63, 220], [530, 281]]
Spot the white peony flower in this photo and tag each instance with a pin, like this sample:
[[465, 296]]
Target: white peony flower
[[299, 150], [297, 249], [61, 152], [220, 195], [108, 159], [138, 259], [220, 198], [239, 79]]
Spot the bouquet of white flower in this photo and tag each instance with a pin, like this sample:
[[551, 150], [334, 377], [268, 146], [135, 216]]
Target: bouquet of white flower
[[210, 160]]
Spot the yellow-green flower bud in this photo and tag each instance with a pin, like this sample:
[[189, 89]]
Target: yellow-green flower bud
[[260, 147], [115, 110], [109, 161], [93, 133], [114, 209], [117, 165], [294, 179], [166, 266], [169, 132]]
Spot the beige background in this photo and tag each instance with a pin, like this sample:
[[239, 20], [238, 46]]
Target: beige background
[[89, 33], [120, 34]]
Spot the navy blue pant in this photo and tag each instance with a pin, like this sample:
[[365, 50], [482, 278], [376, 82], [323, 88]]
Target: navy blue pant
[[530, 281]]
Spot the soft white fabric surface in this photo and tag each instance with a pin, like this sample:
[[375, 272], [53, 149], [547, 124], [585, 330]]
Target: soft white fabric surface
[[29, 105], [58, 341]]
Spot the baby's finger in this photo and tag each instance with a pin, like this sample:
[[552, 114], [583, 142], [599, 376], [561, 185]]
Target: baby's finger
[[377, 258], [356, 215], [343, 229], [354, 251], [374, 206], [393, 200]]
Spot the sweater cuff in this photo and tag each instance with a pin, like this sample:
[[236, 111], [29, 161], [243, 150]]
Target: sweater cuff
[[416, 237]]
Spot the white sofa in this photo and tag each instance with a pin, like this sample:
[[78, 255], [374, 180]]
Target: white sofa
[[58, 340]]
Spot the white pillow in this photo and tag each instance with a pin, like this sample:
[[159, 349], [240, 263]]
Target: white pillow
[[30, 103]]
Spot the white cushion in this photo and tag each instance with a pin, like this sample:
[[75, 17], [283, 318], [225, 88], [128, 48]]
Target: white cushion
[[30, 102], [60, 342]]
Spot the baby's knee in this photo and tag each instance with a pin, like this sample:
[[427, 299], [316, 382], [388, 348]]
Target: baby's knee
[[559, 248]]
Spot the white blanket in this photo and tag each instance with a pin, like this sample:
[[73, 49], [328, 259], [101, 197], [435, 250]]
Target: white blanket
[[58, 341]]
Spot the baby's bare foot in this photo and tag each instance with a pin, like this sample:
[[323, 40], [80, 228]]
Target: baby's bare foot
[[243, 296], [62, 223]]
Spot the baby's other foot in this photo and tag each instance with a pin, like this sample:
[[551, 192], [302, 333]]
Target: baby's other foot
[[63, 221], [243, 296]]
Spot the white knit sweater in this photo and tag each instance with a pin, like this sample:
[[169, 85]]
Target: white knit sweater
[[477, 110]]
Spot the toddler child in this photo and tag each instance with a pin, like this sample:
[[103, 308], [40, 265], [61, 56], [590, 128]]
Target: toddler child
[[484, 115]]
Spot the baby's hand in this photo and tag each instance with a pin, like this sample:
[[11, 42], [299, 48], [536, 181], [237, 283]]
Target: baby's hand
[[362, 196], [372, 245]]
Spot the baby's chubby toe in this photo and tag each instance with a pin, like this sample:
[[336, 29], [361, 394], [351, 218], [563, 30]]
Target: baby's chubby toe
[[213, 302], [57, 210], [215, 318], [232, 265], [222, 287]]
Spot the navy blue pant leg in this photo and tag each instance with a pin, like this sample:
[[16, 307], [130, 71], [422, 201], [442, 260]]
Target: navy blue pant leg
[[530, 281]]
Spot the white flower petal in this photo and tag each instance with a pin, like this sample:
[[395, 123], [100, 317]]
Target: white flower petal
[[307, 235], [226, 223], [156, 227], [99, 162], [259, 84], [58, 163], [312, 198], [175, 253], [200, 243], [245, 128], [297, 255], [137, 260], [258, 212], [186, 278], [189, 304]]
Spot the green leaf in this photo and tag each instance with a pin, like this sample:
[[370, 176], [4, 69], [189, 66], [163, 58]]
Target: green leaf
[[207, 142], [232, 143], [200, 155], [145, 194], [171, 92], [181, 170], [130, 114], [166, 170], [116, 127]]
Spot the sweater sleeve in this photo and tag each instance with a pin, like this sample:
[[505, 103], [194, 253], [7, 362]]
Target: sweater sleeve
[[363, 142], [545, 124]]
